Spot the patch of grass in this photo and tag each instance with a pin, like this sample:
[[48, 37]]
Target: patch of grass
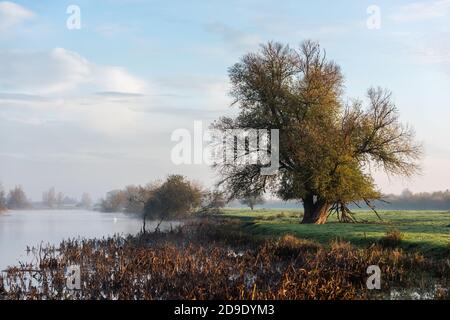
[[424, 231]]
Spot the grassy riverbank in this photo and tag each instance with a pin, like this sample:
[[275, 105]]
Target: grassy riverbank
[[424, 231]]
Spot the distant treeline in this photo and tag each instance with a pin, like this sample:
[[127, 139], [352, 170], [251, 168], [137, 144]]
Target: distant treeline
[[439, 200], [16, 199], [407, 200]]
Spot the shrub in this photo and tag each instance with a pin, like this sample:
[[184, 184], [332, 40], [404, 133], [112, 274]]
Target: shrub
[[175, 198], [393, 238], [291, 246]]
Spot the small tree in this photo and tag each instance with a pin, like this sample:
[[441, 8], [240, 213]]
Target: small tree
[[212, 202], [60, 200], [49, 198], [252, 200], [115, 201], [2, 199], [176, 197], [86, 201], [17, 199], [137, 197]]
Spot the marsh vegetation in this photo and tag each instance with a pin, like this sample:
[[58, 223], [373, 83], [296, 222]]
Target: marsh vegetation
[[212, 258]]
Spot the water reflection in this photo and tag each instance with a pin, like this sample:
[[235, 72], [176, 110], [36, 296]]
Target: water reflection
[[19, 229]]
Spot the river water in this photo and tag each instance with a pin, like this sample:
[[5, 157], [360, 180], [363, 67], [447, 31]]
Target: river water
[[19, 229]]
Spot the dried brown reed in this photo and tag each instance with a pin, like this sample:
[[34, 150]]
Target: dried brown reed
[[213, 260]]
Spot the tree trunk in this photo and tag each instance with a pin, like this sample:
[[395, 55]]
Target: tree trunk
[[315, 212], [143, 224]]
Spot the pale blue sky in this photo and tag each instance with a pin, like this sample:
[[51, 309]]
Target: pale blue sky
[[93, 109]]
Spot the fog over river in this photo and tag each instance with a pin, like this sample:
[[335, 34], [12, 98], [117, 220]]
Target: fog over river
[[19, 229]]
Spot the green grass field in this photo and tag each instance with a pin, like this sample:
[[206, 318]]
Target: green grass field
[[425, 231]]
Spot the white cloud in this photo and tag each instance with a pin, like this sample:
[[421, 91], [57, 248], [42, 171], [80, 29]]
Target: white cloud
[[12, 14], [95, 114], [61, 86], [117, 79], [201, 95], [61, 71], [419, 11]]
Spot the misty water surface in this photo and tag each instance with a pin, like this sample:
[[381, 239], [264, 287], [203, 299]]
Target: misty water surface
[[19, 229]]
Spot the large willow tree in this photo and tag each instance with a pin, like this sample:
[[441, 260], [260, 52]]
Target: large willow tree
[[328, 147]]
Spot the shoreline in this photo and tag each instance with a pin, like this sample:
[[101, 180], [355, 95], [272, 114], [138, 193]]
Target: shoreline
[[205, 259]]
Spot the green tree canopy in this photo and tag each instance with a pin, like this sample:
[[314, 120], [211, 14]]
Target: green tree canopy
[[175, 198], [327, 145]]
